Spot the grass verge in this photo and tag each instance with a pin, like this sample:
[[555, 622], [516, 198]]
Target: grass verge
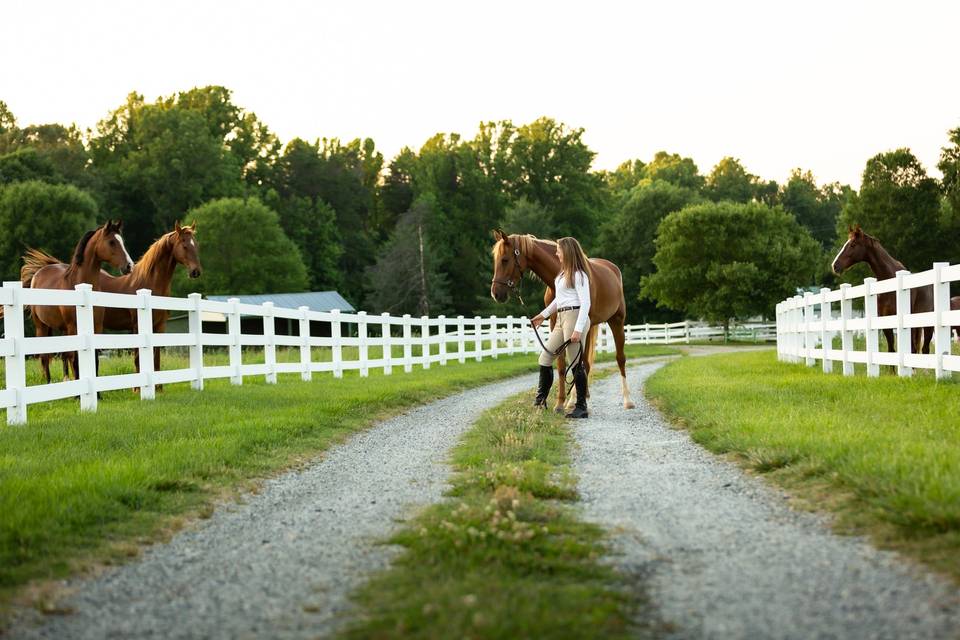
[[506, 557], [78, 490], [882, 454]]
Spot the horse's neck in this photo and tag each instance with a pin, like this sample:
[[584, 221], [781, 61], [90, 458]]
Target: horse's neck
[[882, 264], [544, 263], [89, 271], [157, 274]]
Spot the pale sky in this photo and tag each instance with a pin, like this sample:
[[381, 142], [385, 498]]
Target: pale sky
[[812, 84]]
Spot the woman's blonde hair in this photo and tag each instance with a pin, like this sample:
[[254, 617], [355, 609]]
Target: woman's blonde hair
[[574, 259]]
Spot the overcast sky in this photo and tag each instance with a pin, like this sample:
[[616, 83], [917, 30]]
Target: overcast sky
[[811, 84]]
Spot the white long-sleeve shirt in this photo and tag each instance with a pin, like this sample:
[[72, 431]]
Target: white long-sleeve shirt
[[578, 295]]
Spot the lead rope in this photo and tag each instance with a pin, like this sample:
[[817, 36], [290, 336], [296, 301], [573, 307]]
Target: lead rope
[[576, 359]]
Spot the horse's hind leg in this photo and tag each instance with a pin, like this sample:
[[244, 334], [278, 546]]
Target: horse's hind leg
[[888, 334], [619, 340]]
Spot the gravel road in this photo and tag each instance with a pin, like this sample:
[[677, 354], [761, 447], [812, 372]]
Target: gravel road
[[722, 554], [282, 564]]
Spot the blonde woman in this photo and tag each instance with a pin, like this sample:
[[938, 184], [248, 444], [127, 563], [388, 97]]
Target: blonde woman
[[572, 305]]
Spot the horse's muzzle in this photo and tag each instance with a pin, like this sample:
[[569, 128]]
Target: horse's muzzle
[[195, 273], [127, 268]]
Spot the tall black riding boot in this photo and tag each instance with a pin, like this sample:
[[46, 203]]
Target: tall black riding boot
[[543, 389], [580, 381]]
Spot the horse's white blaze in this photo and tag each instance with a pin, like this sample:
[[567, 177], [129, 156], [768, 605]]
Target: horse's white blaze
[[192, 243], [124, 247], [833, 265], [627, 402]]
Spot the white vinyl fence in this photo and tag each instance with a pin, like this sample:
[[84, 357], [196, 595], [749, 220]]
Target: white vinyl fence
[[423, 341], [808, 324]]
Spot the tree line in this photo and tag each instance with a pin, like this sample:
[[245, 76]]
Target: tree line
[[412, 234]]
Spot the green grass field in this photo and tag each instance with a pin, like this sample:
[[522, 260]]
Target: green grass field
[[81, 489], [506, 557], [882, 453]]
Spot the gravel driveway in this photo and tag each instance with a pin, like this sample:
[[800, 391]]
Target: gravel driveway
[[283, 564], [722, 554]]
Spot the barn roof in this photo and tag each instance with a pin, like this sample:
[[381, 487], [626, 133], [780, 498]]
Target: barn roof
[[315, 300]]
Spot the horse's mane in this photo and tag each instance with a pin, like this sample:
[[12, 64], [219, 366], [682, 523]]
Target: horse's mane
[[155, 254], [82, 247]]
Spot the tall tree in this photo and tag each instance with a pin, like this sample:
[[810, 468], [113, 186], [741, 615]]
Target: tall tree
[[51, 217], [949, 165], [721, 261], [244, 250], [672, 168], [900, 205], [729, 180], [628, 240], [816, 208]]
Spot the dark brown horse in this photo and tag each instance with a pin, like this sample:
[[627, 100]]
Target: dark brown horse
[[515, 254], [103, 244], [861, 247], [153, 271]]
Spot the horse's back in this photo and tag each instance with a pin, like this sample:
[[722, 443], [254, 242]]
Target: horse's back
[[52, 276]]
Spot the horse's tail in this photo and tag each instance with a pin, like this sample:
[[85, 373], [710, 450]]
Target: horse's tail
[[33, 261], [591, 346]]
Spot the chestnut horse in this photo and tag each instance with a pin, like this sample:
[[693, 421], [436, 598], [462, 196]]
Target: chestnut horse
[[514, 254], [103, 244], [153, 271], [861, 247]]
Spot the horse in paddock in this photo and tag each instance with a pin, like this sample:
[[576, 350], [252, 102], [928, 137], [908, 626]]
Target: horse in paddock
[[515, 254], [153, 271], [954, 305], [103, 244], [861, 247]]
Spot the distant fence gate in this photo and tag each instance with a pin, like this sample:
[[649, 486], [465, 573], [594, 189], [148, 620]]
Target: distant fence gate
[[808, 326], [419, 341]]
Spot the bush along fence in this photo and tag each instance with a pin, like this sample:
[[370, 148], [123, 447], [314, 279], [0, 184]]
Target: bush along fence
[[808, 324], [423, 341]]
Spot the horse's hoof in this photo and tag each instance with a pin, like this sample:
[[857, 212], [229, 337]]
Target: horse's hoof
[[559, 409], [629, 405]]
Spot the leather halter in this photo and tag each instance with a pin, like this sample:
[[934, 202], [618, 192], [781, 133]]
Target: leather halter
[[511, 283]]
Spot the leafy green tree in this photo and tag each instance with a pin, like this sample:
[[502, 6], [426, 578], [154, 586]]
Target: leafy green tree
[[720, 261], [949, 165], [672, 168], [730, 181], [7, 120], [61, 147], [243, 250], [26, 164], [312, 225], [626, 176], [899, 204], [628, 237], [51, 217], [529, 217], [155, 162], [816, 208], [408, 277]]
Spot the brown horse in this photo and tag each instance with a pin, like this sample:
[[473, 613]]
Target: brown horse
[[514, 254], [153, 271], [861, 247], [103, 244], [954, 305]]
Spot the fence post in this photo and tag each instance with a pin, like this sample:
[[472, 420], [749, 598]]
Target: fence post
[[478, 337], [826, 336], [148, 390], [362, 339], [87, 355], [196, 347], [270, 347], [442, 337], [305, 352], [511, 346], [461, 338], [846, 336], [872, 333], [904, 343], [407, 344], [16, 365], [941, 330], [425, 342], [494, 334], [808, 339], [236, 349], [686, 331], [387, 343], [335, 347]]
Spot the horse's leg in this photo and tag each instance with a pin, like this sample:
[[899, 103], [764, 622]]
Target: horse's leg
[[888, 334], [619, 340], [42, 331], [927, 337]]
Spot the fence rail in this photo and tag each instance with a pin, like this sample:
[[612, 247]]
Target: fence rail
[[424, 341], [807, 325]]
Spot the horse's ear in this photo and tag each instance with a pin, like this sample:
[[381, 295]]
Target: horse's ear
[[857, 231], [193, 227], [177, 227], [498, 234]]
